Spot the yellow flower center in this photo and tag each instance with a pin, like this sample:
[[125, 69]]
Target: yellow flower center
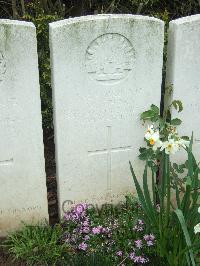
[[169, 146], [152, 141]]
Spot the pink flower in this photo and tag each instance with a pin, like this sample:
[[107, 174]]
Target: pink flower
[[140, 259], [96, 230], [132, 255], [136, 259], [86, 238], [75, 217], [138, 243], [67, 216], [149, 237], [150, 243], [79, 208], [143, 260], [106, 230], [119, 253], [140, 222], [83, 246], [86, 223], [152, 237], [138, 228], [86, 230]]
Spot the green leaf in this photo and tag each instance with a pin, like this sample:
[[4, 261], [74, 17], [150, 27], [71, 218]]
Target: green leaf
[[147, 115], [155, 109], [181, 219], [142, 149], [149, 204], [146, 154], [176, 122], [178, 105], [179, 168], [138, 188], [188, 181], [185, 138], [152, 114], [144, 201], [161, 123]]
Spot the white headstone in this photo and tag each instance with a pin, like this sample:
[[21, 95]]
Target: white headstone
[[106, 70], [183, 73], [23, 195]]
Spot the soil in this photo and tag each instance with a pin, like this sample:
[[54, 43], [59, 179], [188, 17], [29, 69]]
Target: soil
[[50, 167], [6, 260]]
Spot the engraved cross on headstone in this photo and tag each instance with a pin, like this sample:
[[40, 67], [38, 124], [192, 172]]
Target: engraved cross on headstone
[[197, 141], [12, 102], [6, 162], [8, 122], [109, 150]]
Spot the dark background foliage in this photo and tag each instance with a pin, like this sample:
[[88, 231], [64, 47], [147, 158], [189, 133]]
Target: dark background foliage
[[42, 12]]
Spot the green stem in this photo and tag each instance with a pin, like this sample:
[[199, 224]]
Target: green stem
[[167, 175], [153, 188]]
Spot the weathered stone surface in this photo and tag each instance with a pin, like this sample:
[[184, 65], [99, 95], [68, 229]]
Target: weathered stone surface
[[183, 74], [106, 70], [23, 195]]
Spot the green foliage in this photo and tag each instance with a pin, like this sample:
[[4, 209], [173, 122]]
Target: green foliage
[[166, 10], [36, 14], [176, 122], [36, 245], [152, 114], [181, 218], [176, 191], [177, 105]]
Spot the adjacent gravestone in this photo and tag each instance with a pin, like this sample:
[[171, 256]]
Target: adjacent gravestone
[[183, 74], [106, 70], [23, 195]]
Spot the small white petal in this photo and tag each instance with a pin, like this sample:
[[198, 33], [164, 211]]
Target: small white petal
[[147, 136], [197, 228]]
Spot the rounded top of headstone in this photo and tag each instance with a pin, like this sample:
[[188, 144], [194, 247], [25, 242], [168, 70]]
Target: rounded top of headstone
[[16, 23], [64, 22], [187, 19]]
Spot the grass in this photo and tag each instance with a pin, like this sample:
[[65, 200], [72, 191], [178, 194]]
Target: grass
[[37, 245]]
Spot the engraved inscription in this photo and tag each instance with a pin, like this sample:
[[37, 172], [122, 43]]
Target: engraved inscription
[[2, 66], [109, 58], [93, 201], [15, 211]]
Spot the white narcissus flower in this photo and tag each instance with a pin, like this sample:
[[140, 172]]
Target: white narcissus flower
[[183, 143], [154, 138], [149, 132], [197, 228], [199, 210], [170, 146], [157, 145], [155, 141]]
